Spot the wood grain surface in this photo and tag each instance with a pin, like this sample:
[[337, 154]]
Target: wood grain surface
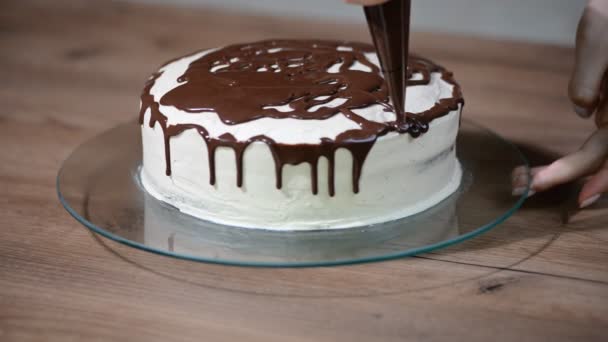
[[72, 69]]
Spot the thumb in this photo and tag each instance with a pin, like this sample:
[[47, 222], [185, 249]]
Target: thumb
[[594, 187], [591, 60]]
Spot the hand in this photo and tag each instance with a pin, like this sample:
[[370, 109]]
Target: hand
[[366, 2], [589, 93]]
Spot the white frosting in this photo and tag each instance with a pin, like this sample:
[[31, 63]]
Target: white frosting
[[401, 175]]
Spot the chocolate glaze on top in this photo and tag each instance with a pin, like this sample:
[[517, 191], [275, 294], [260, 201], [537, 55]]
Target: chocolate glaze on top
[[243, 82]]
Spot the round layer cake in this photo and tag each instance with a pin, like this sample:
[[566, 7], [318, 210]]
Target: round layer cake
[[298, 135]]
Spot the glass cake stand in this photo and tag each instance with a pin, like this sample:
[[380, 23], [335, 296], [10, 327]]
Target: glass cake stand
[[99, 186]]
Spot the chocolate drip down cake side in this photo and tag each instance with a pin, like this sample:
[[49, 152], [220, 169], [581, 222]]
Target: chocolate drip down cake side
[[297, 135]]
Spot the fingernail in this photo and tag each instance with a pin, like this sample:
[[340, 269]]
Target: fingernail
[[516, 176], [520, 180], [521, 190], [582, 111], [589, 201], [518, 191]]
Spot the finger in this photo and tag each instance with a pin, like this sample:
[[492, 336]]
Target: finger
[[591, 61], [519, 172], [521, 175], [594, 187], [582, 162], [520, 179]]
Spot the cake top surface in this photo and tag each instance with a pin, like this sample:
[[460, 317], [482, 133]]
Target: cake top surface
[[295, 92]]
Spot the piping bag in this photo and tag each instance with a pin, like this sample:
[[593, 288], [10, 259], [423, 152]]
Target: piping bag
[[389, 25]]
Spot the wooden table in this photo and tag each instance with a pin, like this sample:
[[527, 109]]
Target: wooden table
[[71, 69]]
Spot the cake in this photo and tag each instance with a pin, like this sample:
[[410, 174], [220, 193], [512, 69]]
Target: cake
[[297, 135]]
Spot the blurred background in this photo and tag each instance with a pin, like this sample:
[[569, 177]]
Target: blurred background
[[101, 51], [547, 21]]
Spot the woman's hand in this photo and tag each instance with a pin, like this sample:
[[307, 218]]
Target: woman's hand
[[589, 94]]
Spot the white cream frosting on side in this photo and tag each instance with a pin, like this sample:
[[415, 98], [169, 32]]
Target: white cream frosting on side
[[401, 175]]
